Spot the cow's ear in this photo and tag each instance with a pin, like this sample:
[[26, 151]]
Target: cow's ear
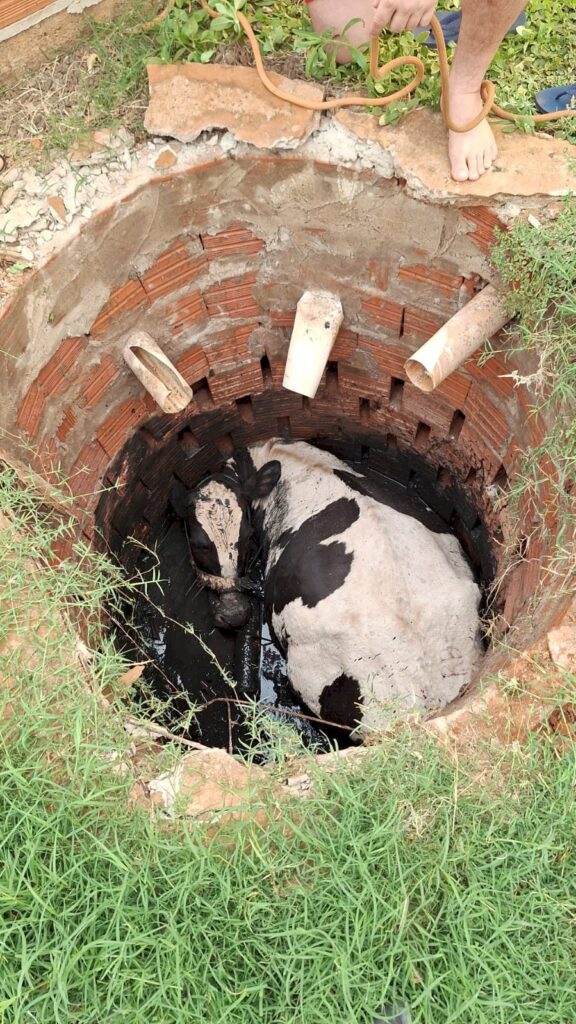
[[180, 499], [260, 484]]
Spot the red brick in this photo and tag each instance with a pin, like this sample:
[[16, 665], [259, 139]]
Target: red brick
[[116, 427], [31, 410], [485, 224], [229, 348], [447, 284], [237, 383], [150, 404], [514, 597], [470, 286], [88, 531], [480, 453], [361, 382], [420, 324], [54, 376], [277, 370], [533, 419], [128, 296], [232, 241], [188, 310], [454, 390], [174, 269], [63, 549], [282, 318], [97, 382], [67, 423], [193, 365], [345, 345], [426, 409], [390, 358], [486, 419], [232, 298], [48, 460], [383, 313], [87, 473], [492, 371], [378, 274]]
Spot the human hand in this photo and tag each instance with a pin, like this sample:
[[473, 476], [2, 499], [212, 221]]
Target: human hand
[[399, 15]]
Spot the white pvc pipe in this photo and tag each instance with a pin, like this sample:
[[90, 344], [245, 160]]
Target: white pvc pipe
[[457, 339], [155, 371], [319, 317]]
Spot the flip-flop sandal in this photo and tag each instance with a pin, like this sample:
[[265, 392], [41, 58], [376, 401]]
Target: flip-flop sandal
[[450, 23], [560, 97], [393, 1015]]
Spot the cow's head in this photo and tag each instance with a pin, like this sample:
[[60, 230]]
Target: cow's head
[[218, 517]]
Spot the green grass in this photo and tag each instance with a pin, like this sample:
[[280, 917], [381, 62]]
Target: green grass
[[99, 84], [411, 879], [543, 53], [538, 264], [103, 82]]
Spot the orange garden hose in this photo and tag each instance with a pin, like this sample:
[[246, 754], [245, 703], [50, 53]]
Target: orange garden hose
[[376, 72]]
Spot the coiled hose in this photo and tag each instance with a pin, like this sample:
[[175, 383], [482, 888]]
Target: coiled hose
[[487, 92]]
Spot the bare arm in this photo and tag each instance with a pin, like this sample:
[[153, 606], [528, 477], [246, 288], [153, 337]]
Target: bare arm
[[399, 15]]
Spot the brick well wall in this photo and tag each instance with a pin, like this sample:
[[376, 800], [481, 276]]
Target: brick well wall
[[213, 272]]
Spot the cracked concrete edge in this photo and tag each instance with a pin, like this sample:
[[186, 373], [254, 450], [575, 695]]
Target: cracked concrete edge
[[330, 143]]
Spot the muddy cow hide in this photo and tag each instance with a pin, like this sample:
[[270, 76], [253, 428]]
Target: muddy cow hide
[[376, 614]]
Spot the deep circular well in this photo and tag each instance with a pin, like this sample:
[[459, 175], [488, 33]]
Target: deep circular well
[[211, 261]]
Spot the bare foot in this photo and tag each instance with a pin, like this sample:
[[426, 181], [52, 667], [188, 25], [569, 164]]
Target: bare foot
[[471, 153]]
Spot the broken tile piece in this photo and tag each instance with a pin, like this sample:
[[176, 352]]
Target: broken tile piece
[[187, 99], [166, 158], [57, 209]]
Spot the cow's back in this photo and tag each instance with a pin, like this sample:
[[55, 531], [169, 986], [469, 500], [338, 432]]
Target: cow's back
[[370, 606]]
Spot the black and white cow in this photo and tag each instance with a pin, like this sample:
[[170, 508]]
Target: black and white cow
[[375, 614]]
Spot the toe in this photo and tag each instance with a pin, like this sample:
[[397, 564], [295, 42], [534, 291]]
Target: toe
[[473, 174], [488, 159], [460, 171], [458, 166]]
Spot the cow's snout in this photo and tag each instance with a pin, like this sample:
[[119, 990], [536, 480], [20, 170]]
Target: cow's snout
[[230, 610]]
